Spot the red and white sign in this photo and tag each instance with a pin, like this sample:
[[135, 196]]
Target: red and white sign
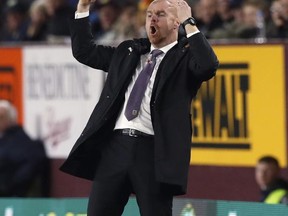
[[59, 95]]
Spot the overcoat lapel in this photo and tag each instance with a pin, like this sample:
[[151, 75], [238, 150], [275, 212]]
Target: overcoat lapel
[[130, 64], [138, 48], [167, 67]]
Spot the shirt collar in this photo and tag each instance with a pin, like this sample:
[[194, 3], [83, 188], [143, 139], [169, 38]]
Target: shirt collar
[[166, 48]]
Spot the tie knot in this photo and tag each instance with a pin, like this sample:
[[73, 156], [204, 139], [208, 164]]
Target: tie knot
[[156, 52]]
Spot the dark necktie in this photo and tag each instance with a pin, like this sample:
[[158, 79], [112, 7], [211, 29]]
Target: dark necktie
[[137, 93]]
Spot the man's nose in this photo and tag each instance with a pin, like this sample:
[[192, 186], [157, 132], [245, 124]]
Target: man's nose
[[154, 18]]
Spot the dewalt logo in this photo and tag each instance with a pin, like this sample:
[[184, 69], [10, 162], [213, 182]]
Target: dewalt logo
[[220, 109], [240, 114]]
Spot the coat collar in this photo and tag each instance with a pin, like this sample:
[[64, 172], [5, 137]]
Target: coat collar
[[141, 46], [168, 64]]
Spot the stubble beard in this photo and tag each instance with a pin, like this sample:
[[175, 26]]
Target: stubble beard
[[156, 39]]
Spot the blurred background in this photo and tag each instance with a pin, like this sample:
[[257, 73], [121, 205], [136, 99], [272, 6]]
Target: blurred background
[[46, 20]]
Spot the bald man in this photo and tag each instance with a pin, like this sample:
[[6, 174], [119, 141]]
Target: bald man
[[138, 137]]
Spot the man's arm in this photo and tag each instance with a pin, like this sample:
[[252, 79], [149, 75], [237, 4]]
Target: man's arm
[[184, 12], [84, 48], [205, 62]]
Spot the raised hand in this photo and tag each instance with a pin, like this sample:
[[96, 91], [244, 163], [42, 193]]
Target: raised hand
[[84, 5], [183, 9]]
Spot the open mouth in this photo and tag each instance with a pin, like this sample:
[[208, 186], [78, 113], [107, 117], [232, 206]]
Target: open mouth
[[153, 30]]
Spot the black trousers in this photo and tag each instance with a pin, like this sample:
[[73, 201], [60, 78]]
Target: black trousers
[[127, 166]]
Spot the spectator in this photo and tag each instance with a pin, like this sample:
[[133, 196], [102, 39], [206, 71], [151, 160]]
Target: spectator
[[15, 24], [224, 10], [57, 27], [21, 158], [245, 23], [273, 188], [251, 8], [125, 27], [208, 20], [278, 28], [37, 26], [230, 30], [2, 16], [107, 14]]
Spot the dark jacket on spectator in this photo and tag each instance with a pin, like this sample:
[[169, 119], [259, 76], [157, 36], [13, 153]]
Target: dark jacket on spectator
[[21, 159]]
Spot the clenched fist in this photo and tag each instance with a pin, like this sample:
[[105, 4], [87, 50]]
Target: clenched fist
[[84, 5]]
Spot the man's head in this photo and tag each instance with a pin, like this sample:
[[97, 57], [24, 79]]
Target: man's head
[[8, 115], [208, 10], [267, 171], [162, 22], [53, 5], [108, 12]]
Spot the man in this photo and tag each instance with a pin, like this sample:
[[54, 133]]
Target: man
[[57, 23], [274, 189], [15, 22], [145, 150], [22, 159], [107, 13], [278, 27]]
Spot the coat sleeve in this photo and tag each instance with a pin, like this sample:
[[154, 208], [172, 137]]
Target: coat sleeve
[[84, 48], [204, 62]]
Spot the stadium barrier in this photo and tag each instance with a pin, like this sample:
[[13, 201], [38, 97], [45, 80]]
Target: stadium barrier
[[182, 207]]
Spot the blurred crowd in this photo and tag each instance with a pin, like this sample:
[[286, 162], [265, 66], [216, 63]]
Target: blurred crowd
[[112, 20]]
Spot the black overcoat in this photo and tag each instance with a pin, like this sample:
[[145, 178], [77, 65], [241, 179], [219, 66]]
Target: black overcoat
[[179, 76]]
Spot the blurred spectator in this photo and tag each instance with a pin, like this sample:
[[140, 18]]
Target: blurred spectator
[[125, 27], [2, 16], [246, 21], [26, 2], [22, 160], [278, 27], [37, 25], [273, 188], [207, 18], [15, 22], [224, 11], [107, 14], [251, 9], [231, 29], [59, 12]]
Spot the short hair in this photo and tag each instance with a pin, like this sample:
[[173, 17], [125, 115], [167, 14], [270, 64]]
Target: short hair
[[11, 110], [269, 159]]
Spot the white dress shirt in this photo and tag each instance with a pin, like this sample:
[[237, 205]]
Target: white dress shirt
[[143, 121]]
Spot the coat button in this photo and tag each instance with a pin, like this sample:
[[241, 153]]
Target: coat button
[[108, 96]]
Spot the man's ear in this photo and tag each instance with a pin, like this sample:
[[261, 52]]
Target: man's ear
[[176, 24]]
